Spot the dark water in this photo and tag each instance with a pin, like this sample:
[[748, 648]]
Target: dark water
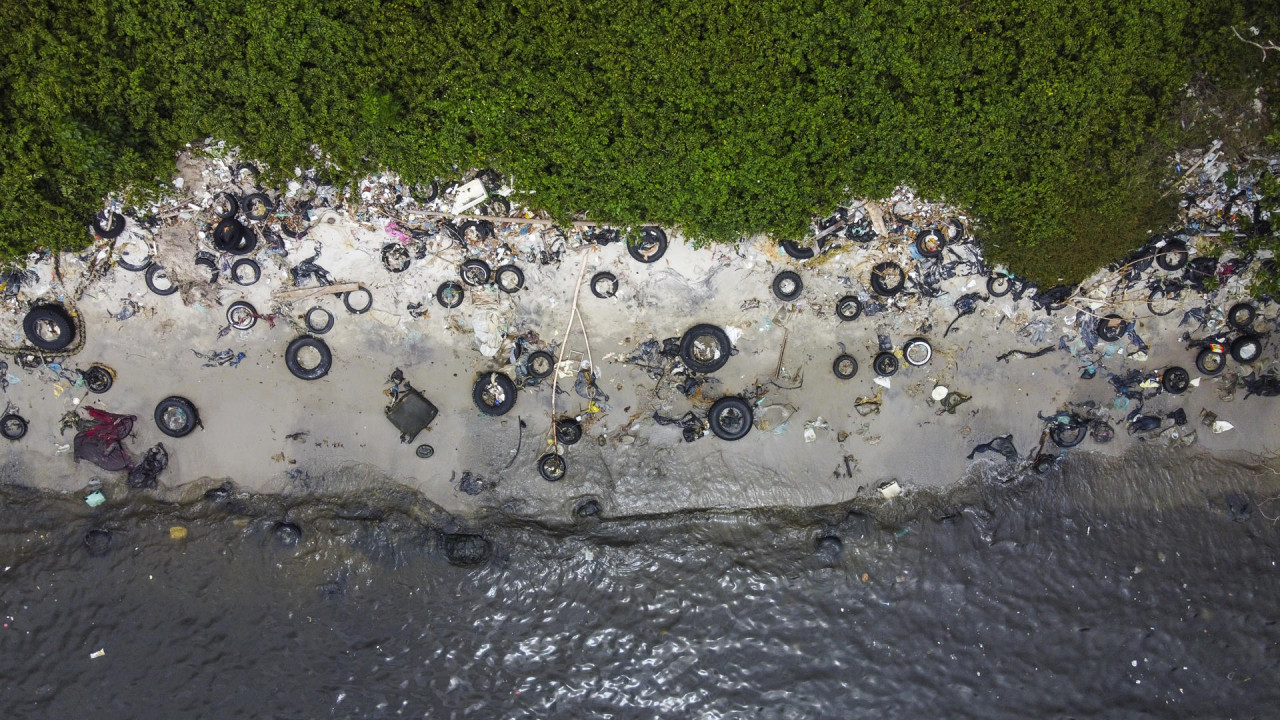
[[1140, 589]]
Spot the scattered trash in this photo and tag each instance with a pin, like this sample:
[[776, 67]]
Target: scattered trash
[[217, 358], [1002, 445], [145, 475], [95, 498], [890, 490]]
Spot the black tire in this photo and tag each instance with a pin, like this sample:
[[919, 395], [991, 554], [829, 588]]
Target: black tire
[[499, 207], [395, 257], [787, 285], [845, 366], [49, 327], [451, 230], [494, 394], [604, 285], [848, 308], [1175, 380], [1173, 256], [1161, 302], [427, 193], [204, 260], [730, 418], [358, 309], [318, 320], [912, 349], [13, 426], [475, 272], [160, 288], [131, 266], [98, 379], [225, 205], [508, 278], [246, 271], [796, 251], [176, 416], [651, 246], [424, 451], [1210, 362], [484, 228], [700, 358], [999, 285], [241, 315], [450, 294], [227, 234], [1068, 435], [929, 243], [1241, 315], [304, 342], [568, 431], [888, 278], [540, 364], [552, 467], [1246, 349], [257, 206], [885, 364], [1112, 327], [108, 226]]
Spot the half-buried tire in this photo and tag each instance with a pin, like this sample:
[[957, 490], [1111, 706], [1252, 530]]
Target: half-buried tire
[[705, 348]]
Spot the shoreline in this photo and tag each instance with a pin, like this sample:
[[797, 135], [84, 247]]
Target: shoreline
[[269, 431]]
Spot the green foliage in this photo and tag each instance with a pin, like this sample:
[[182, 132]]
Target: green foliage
[[726, 117]]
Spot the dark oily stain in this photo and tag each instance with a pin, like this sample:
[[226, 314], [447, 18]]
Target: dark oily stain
[[97, 542], [473, 484]]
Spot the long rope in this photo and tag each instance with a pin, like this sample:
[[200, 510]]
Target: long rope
[[555, 375]]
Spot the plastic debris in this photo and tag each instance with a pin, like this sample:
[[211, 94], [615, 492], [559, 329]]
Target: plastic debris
[[890, 490], [95, 498]]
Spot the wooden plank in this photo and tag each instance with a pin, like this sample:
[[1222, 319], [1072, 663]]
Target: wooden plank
[[315, 291]]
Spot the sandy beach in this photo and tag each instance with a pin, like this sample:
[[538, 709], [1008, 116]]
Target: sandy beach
[[266, 430]]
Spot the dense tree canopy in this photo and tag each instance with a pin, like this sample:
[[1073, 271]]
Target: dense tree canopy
[[726, 117]]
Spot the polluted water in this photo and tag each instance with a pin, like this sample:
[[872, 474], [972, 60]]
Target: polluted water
[[1134, 587]]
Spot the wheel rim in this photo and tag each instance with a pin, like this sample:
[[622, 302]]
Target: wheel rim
[[241, 318], [919, 354], [474, 275], [175, 418]]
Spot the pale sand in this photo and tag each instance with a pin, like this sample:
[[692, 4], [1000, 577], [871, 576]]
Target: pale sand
[[640, 467]]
